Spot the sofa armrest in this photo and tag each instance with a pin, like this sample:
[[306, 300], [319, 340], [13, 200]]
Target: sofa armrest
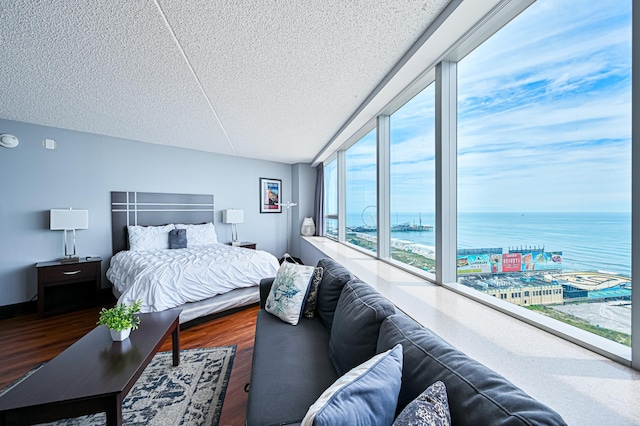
[[265, 288]]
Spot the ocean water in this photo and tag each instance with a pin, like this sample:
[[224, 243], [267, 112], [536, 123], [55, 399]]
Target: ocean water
[[588, 241]]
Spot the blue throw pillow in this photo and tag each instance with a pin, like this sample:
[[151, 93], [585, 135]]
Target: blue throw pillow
[[365, 395]]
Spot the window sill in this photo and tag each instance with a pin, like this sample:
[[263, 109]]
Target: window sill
[[585, 387]]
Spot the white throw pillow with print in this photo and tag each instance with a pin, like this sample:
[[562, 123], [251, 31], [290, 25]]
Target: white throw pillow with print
[[289, 292]]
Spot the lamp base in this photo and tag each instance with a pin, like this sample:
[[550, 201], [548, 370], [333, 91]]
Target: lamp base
[[70, 259]]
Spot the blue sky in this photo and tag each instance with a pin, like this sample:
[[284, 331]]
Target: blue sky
[[544, 122]]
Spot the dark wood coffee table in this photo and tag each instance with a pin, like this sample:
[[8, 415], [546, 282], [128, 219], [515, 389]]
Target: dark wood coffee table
[[91, 376]]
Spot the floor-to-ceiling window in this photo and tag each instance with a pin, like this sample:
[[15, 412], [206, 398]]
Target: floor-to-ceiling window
[[412, 181], [331, 199], [543, 166], [361, 193], [544, 169]]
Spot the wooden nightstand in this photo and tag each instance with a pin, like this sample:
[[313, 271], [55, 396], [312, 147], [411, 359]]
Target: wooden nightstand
[[245, 244], [65, 287]]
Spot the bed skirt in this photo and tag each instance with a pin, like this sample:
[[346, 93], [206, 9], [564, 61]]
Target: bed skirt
[[223, 302]]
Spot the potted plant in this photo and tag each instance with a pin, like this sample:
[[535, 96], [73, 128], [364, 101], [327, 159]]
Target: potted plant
[[120, 320]]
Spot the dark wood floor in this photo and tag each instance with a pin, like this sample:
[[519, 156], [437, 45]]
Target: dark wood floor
[[26, 341]]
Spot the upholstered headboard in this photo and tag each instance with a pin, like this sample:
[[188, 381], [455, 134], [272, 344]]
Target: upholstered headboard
[[153, 208]]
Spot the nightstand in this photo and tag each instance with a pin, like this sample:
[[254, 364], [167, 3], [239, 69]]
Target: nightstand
[[245, 244], [68, 286]]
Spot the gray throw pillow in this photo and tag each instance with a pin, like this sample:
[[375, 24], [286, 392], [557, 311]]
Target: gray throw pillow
[[430, 408], [178, 238], [312, 296]]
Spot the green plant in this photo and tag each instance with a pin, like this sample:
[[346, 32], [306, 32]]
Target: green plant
[[121, 317]]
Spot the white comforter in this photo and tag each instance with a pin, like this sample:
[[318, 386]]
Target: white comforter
[[164, 279]]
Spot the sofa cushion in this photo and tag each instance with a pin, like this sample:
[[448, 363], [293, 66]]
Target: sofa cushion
[[334, 277], [290, 370], [289, 292], [430, 408], [477, 394], [366, 395], [356, 323]]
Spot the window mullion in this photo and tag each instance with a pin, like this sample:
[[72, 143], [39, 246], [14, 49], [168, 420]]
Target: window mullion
[[384, 208], [635, 190], [342, 195], [446, 171]]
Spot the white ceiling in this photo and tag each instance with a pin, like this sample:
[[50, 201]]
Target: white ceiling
[[272, 79]]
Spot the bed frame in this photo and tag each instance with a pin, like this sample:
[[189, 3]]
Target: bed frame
[[152, 209]]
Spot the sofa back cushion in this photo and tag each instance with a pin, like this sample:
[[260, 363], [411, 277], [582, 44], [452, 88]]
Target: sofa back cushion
[[334, 277], [356, 324], [477, 394]]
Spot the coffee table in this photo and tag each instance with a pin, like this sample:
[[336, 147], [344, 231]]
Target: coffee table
[[93, 375]]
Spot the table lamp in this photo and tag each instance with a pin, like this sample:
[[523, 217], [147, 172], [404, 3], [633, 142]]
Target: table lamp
[[233, 216], [68, 220]]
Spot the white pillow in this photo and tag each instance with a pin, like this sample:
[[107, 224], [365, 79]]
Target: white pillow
[[200, 235], [365, 395], [289, 292], [143, 238]]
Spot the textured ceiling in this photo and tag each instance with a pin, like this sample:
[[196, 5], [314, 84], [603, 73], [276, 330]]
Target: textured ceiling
[[263, 79]]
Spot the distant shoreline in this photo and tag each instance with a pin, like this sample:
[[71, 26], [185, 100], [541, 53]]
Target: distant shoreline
[[575, 278]]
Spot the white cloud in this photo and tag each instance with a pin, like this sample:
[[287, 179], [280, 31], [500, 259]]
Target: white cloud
[[545, 113], [544, 118]]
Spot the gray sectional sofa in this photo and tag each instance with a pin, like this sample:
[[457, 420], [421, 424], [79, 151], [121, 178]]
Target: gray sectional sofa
[[293, 365]]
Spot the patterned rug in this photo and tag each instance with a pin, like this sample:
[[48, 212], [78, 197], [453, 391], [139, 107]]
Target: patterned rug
[[190, 394]]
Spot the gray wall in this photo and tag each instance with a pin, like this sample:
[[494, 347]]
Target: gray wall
[[303, 178], [83, 170], [309, 254]]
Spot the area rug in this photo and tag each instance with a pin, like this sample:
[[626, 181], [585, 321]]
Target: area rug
[[189, 394]]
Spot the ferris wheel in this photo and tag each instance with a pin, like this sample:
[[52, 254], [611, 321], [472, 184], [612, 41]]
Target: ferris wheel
[[370, 216]]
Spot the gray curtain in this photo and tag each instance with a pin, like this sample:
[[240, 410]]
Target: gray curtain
[[319, 201]]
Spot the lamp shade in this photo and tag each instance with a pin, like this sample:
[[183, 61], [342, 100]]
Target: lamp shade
[[61, 219], [232, 216]]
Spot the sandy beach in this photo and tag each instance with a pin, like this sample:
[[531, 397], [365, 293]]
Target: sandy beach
[[423, 250]]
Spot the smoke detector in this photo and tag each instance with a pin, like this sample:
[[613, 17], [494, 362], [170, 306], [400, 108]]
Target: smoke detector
[[8, 141]]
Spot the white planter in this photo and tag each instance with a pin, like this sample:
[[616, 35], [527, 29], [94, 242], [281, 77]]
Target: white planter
[[119, 336], [308, 227]]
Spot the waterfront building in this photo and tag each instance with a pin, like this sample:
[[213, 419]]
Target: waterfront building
[[527, 294]]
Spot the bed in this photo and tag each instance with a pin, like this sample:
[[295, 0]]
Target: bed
[[199, 274]]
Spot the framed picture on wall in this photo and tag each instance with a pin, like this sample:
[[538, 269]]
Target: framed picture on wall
[[270, 193]]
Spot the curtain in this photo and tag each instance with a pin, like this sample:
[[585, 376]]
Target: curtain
[[319, 201]]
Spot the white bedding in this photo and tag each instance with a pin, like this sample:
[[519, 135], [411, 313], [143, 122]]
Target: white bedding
[[165, 279]]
